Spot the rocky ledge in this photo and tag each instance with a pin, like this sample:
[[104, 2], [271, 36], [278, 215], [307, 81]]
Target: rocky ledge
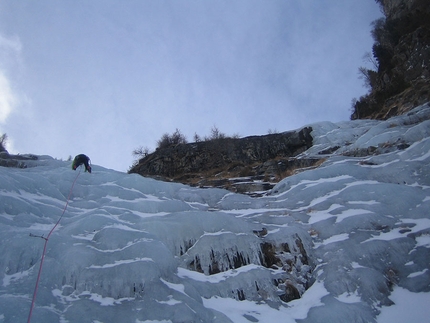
[[18, 161], [251, 164]]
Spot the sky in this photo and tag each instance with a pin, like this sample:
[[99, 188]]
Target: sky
[[104, 77]]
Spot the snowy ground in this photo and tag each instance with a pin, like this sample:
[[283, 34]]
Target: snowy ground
[[126, 249]]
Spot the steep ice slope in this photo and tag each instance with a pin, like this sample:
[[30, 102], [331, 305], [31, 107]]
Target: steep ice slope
[[131, 249]]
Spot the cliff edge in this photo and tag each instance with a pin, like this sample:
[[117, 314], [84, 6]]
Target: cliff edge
[[400, 79]]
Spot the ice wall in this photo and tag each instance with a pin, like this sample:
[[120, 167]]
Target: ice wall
[[327, 245]]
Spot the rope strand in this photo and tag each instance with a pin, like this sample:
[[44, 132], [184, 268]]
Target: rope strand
[[44, 247]]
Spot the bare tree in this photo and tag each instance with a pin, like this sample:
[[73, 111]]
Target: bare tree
[[216, 133], [141, 151], [197, 137], [3, 140], [368, 57], [369, 76]]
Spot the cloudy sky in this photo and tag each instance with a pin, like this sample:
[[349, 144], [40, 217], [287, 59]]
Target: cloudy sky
[[103, 77]]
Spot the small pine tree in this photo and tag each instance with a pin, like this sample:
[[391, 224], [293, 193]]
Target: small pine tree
[[216, 133], [164, 141], [174, 139]]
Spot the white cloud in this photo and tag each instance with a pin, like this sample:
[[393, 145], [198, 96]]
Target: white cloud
[[13, 43], [7, 98], [10, 52]]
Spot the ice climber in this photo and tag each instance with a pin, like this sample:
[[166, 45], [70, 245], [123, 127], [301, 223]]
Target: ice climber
[[82, 159]]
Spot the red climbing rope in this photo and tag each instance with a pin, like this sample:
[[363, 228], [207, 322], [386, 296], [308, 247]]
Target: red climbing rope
[[44, 247]]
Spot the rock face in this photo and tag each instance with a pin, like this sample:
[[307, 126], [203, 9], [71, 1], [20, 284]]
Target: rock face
[[245, 164], [402, 53], [19, 161]]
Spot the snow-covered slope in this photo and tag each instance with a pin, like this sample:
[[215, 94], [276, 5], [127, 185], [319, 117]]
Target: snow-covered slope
[[351, 238]]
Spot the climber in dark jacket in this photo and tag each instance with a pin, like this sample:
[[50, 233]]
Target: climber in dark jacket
[[82, 159]]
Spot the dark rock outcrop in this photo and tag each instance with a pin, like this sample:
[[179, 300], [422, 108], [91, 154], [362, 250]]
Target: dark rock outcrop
[[402, 53], [18, 161], [245, 164]]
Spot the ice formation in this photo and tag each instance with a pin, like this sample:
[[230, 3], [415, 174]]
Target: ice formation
[[338, 243]]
